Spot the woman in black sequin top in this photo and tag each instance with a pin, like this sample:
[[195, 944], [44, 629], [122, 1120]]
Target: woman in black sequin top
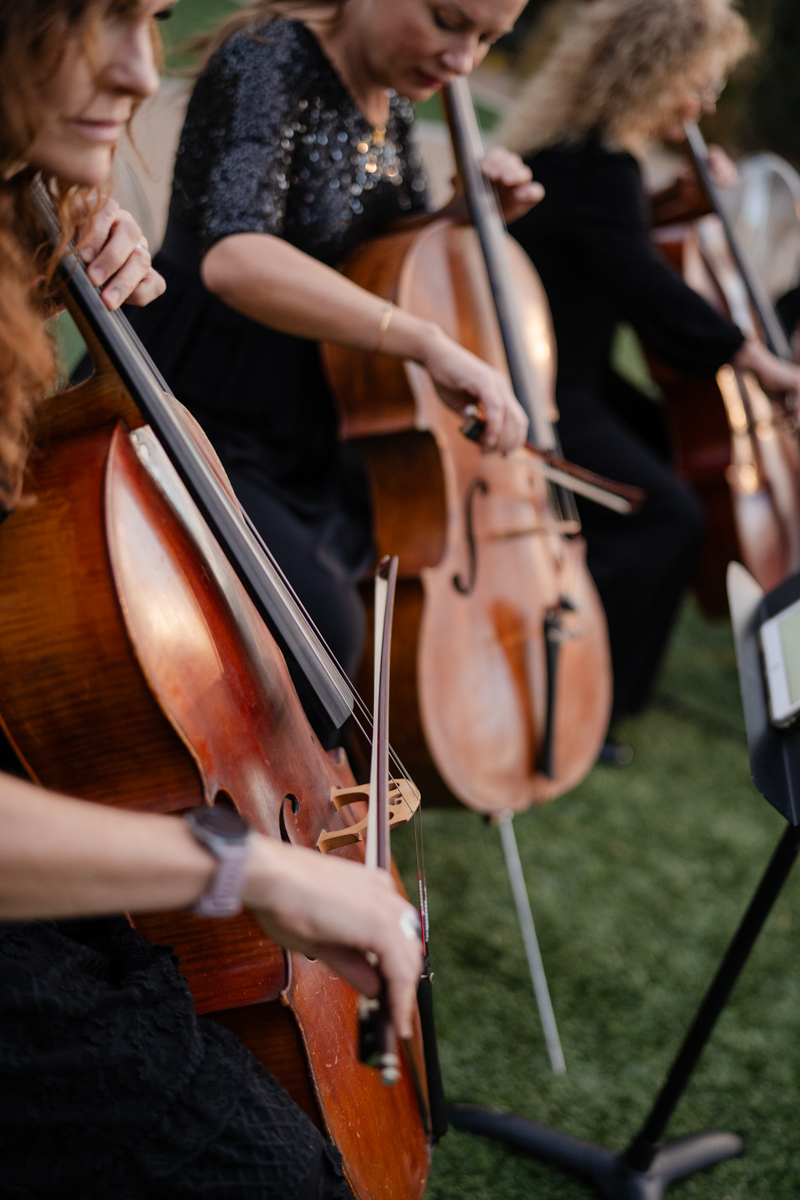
[[297, 147]]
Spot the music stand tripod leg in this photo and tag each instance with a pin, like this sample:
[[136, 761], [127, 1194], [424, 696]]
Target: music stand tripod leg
[[531, 942], [647, 1168]]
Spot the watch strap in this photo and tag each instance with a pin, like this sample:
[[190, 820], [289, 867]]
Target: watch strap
[[223, 896]]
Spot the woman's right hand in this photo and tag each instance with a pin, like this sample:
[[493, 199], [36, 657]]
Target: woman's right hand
[[461, 379], [336, 910], [776, 375]]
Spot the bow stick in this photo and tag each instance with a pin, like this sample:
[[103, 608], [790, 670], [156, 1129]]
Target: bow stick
[[619, 497], [377, 1038]]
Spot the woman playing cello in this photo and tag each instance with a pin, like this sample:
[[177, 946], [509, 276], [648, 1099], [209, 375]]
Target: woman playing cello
[[109, 1084], [624, 73], [298, 146]]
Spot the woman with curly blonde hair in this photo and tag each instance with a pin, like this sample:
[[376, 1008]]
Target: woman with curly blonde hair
[[623, 74]]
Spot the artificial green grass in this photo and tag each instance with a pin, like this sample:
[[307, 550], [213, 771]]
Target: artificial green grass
[[637, 879]]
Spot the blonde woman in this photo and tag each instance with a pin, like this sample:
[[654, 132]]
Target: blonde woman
[[624, 73], [298, 147]]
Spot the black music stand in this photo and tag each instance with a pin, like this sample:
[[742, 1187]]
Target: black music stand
[[648, 1166]]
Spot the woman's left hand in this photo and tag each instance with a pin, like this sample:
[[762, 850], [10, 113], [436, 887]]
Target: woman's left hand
[[119, 259], [516, 190], [722, 168]]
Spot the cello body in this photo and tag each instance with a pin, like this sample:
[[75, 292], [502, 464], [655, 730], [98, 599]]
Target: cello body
[[134, 669], [489, 573], [734, 445]]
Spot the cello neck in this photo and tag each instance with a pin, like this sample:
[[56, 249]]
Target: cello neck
[[773, 331], [317, 678], [489, 224]]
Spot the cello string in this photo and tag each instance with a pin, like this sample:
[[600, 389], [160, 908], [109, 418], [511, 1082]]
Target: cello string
[[489, 223], [361, 715], [136, 348]]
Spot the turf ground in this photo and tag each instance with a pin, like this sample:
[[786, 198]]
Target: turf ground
[[637, 880]]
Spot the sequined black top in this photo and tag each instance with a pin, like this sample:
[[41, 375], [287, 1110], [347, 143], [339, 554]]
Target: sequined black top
[[273, 143]]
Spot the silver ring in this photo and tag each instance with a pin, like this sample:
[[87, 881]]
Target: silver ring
[[411, 924], [143, 246]]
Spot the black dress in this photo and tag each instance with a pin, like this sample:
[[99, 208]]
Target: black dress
[[274, 144], [110, 1086], [590, 241]]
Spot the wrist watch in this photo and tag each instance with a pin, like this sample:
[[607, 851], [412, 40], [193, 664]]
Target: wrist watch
[[228, 837]]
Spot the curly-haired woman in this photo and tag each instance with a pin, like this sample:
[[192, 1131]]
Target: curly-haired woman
[[624, 73], [109, 1083]]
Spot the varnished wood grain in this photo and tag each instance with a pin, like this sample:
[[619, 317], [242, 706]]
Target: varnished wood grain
[[398, 1165], [72, 695], [227, 963]]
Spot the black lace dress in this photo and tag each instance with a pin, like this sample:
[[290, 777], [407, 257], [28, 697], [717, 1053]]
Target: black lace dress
[[110, 1086], [274, 144]]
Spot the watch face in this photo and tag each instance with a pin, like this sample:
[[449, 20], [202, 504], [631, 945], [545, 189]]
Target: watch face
[[221, 820]]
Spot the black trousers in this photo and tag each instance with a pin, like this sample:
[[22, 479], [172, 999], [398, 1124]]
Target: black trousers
[[641, 564]]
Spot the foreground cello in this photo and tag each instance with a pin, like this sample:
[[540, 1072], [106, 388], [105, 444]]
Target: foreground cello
[[136, 663], [501, 669], [736, 447]]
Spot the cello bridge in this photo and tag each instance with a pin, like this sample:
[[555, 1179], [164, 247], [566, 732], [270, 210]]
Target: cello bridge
[[403, 803]]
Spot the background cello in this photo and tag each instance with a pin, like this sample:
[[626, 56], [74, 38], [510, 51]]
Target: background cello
[[136, 664], [501, 669], [736, 446]]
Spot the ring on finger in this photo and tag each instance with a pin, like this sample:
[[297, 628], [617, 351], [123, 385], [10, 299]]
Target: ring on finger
[[143, 246], [411, 924]]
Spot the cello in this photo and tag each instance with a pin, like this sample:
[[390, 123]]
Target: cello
[[137, 661], [735, 445], [501, 667]]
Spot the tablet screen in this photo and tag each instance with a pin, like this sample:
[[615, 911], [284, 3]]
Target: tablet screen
[[789, 629]]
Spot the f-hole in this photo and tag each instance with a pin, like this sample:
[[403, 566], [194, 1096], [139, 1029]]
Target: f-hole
[[477, 485], [224, 799], [292, 800]]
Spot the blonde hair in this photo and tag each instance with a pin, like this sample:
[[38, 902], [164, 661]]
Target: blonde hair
[[619, 66]]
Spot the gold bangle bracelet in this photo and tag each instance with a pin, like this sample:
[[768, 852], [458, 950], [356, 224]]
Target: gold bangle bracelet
[[388, 309]]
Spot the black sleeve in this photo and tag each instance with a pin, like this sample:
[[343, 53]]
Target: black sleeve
[[610, 224], [231, 152]]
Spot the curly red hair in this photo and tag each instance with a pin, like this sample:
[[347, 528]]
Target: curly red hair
[[32, 39]]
